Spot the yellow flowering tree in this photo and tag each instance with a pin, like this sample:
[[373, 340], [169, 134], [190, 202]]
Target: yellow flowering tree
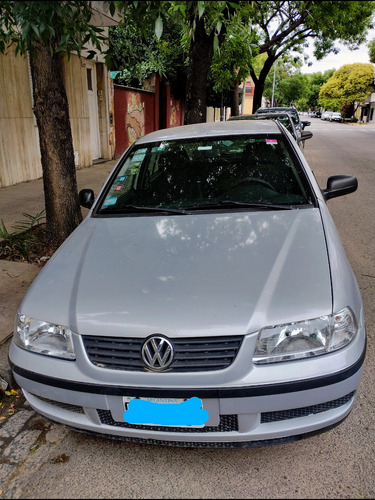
[[350, 84]]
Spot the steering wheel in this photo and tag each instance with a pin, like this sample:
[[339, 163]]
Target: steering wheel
[[255, 180]]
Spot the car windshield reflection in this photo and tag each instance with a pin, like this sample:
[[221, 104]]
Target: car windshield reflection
[[174, 175]]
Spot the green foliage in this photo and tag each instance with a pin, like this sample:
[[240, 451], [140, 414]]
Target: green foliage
[[155, 37], [294, 89], [214, 13], [294, 23], [157, 14], [339, 20], [238, 48], [19, 242], [64, 27], [290, 84], [290, 26], [371, 47], [352, 82], [315, 82], [139, 53]]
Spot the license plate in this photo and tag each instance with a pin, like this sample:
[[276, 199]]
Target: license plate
[[126, 400], [166, 412]]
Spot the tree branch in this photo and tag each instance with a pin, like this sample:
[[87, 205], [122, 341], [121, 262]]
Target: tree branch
[[277, 38]]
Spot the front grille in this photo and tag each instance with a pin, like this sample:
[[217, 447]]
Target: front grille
[[228, 423], [275, 416], [63, 406], [196, 354]]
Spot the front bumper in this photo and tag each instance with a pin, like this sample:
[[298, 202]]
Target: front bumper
[[240, 416]]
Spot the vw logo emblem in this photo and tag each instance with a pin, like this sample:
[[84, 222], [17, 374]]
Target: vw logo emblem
[[157, 353]]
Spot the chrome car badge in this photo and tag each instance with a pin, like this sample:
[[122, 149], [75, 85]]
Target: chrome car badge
[[157, 353]]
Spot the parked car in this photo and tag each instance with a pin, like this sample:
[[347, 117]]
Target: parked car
[[292, 110], [326, 115], [285, 119], [205, 301], [335, 117]]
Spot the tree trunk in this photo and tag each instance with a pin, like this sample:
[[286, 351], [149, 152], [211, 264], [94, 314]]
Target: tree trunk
[[260, 81], [63, 212], [200, 57], [235, 107], [258, 94]]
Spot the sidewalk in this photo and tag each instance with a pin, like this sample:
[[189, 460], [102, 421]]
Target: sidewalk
[[16, 277]]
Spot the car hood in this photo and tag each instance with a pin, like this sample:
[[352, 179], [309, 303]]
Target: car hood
[[195, 275]]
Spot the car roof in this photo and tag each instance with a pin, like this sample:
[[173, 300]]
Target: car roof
[[274, 116], [277, 109], [212, 129]]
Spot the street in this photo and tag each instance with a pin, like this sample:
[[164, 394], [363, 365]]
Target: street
[[336, 464]]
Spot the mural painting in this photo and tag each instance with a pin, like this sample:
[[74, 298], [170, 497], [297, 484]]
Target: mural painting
[[174, 114], [135, 118]]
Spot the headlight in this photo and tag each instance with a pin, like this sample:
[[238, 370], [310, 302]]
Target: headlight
[[305, 339], [43, 337]]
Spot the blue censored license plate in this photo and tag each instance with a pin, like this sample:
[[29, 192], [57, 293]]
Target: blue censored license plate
[[170, 412]]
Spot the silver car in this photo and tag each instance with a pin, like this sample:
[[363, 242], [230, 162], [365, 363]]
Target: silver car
[[205, 301]]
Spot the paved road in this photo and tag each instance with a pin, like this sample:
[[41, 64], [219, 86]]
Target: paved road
[[52, 462]]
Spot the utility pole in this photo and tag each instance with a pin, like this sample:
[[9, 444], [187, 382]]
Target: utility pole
[[243, 97]]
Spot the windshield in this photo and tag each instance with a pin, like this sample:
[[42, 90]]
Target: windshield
[[195, 174], [283, 118], [292, 112], [287, 123]]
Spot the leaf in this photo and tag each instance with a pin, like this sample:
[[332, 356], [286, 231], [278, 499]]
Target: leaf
[[91, 54], [86, 39], [216, 43], [96, 29], [200, 9], [3, 418], [158, 27], [36, 30], [60, 459]]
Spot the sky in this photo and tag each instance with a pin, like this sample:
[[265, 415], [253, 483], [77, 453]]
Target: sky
[[345, 56]]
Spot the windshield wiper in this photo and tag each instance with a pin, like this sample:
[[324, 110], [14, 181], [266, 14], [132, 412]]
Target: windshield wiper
[[135, 208], [244, 204]]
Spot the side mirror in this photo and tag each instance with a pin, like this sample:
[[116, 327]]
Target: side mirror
[[86, 198], [305, 123], [305, 134], [338, 185]]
